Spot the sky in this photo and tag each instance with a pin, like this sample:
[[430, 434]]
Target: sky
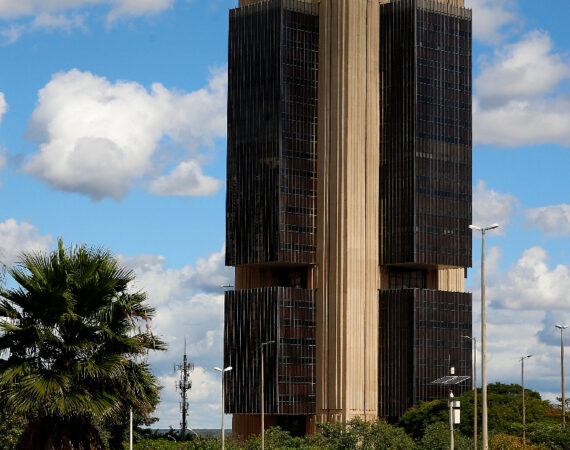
[[112, 133]]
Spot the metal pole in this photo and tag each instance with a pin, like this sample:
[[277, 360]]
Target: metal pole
[[485, 435], [562, 370], [223, 424], [523, 411], [475, 397], [262, 405], [451, 440], [131, 429], [474, 348]]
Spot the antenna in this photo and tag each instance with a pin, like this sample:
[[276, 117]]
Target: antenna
[[183, 385]]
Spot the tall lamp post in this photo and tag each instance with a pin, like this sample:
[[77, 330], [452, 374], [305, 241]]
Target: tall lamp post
[[485, 429], [223, 371], [474, 340], [263, 396], [523, 405], [562, 328]]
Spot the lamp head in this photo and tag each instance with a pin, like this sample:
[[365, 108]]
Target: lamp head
[[562, 327], [227, 369], [218, 369], [490, 227]]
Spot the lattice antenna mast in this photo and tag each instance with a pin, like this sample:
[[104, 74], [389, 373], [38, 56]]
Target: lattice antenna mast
[[183, 385]]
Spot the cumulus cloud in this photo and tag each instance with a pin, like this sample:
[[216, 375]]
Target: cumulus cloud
[[530, 284], [48, 15], [551, 220], [3, 160], [43, 22], [186, 179], [490, 206], [490, 17], [515, 102], [522, 71], [523, 304], [118, 8], [189, 305], [3, 106], [100, 138], [549, 334], [16, 237]]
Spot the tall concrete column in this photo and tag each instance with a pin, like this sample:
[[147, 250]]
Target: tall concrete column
[[347, 212]]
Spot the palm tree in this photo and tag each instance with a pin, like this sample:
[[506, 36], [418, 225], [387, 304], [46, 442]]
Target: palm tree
[[72, 351]]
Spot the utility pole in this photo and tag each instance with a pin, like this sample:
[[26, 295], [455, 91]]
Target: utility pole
[[451, 420], [485, 429], [474, 340], [562, 328], [263, 395], [223, 372], [183, 385]]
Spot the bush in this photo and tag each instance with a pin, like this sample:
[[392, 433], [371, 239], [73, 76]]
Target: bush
[[501, 441], [436, 437]]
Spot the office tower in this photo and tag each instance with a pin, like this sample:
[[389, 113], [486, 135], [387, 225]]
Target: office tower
[[348, 205]]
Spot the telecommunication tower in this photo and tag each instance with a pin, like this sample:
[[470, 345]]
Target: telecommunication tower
[[183, 385]]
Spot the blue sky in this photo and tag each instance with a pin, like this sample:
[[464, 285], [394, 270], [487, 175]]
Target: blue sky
[[112, 132]]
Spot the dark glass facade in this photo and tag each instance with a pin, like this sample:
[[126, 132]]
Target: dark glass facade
[[425, 202], [420, 338], [272, 129], [283, 315], [425, 150]]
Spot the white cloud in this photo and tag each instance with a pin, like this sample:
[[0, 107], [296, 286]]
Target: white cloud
[[523, 304], [186, 179], [134, 8], [3, 160], [59, 21], [100, 138], [48, 15], [16, 237], [3, 106], [531, 285], [490, 18], [189, 304], [490, 206], [552, 220], [514, 103], [526, 70], [43, 22], [13, 9]]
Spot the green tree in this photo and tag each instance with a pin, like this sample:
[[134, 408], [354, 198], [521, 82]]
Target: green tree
[[72, 348], [504, 411], [416, 419], [275, 438], [382, 435], [333, 436], [361, 434], [11, 426], [437, 437]]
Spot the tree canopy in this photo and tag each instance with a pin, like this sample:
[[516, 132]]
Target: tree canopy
[[73, 340]]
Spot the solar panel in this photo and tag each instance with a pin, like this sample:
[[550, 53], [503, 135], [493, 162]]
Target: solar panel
[[451, 379]]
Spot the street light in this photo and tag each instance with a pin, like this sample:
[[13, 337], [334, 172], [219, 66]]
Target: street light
[[223, 371], [474, 340], [524, 411], [263, 397], [562, 328], [485, 429]]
